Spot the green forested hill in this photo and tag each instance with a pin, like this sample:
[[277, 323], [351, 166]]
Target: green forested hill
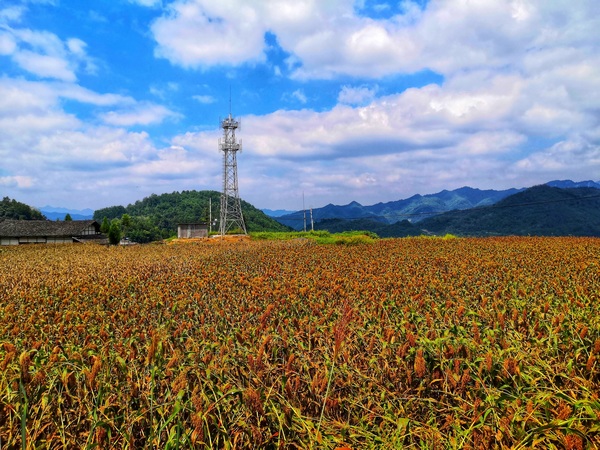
[[166, 211], [12, 209], [537, 211]]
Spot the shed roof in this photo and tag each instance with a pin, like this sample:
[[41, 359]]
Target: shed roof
[[31, 228]]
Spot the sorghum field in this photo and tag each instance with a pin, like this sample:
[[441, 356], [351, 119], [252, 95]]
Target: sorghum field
[[403, 343]]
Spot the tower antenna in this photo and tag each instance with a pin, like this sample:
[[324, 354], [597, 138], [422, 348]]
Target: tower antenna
[[231, 206]]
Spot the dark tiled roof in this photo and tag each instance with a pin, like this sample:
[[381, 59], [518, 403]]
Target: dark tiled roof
[[32, 228]]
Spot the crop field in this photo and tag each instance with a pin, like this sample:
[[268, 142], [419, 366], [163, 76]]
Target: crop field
[[402, 343]]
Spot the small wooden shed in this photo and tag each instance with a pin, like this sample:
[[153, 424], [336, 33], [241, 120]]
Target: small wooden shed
[[17, 232], [192, 230]]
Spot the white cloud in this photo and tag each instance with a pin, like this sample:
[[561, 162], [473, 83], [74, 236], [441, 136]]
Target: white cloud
[[164, 90], [45, 66], [566, 158], [7, 44], [139, 114], [299, 96], [44, 54], [204, 144], [20, 182], [173, 162], [330, 39], [83, 95], [94, 147], [204, 99], [11, 14], [41, 146], [31, 117], [76, 46], [356, 95], [147, 3], [203, 32], [43, 2], [22, 98]]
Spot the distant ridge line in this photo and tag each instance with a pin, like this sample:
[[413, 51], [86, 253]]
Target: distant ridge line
[[515, 205]]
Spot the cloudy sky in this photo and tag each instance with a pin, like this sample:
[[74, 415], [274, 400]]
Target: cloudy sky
[[106, 102]]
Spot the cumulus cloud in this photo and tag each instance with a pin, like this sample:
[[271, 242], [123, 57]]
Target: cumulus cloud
[[41, 145], [569, 156], [203, 32], [330, 38], [173, 163], [93, 150], [42, 53], [32, 120], [204, 145]]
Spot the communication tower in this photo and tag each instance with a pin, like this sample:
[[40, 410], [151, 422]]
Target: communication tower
[[231, 207]]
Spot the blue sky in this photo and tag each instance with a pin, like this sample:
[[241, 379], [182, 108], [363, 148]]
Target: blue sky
[[106, 102]]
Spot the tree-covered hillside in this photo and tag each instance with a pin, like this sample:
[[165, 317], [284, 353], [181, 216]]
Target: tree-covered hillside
[[537, 211], [399, 229], [164, 212], [12, 209]]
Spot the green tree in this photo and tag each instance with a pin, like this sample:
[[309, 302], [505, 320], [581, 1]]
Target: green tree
[[114, 232], [68, 218], [12, 209], [143, 231], [105, 225], [125, 223], [112, 212]]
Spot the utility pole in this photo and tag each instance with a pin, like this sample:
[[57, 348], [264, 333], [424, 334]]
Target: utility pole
[[304, 211]]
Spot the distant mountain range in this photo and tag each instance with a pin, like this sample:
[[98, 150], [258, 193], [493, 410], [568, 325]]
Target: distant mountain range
[[416, 208], [538, 211], [276, 212], [57, 213]]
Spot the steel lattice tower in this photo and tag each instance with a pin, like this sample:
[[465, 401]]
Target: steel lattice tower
[[231, 207]]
